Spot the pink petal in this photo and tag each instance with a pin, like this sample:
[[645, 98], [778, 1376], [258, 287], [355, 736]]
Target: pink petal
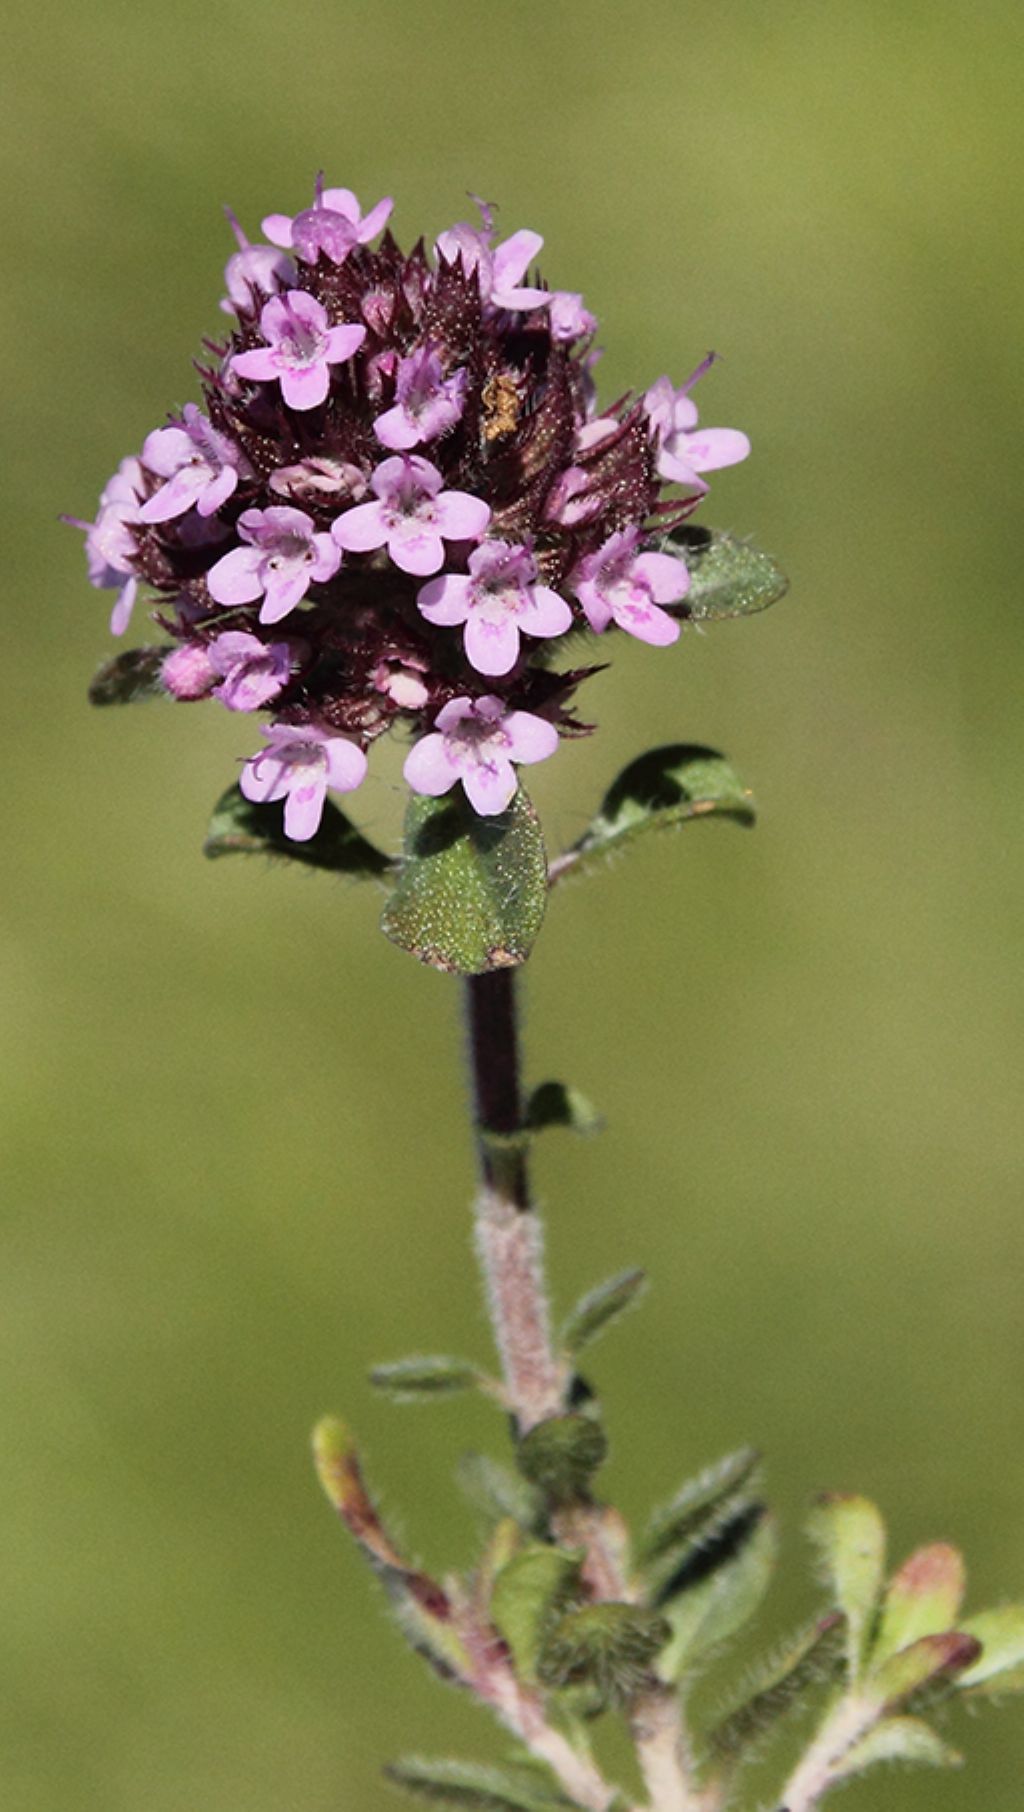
[[416, 550], [461, 516], [328, 559], [260, 365], [361, 529], [709, 448], [429, 768], [307, 388], [346, 764], [666, 576], [597, 610], [490, 786], [530, 738], [218, 491], [512, 257], [264, 777], [295, 305], [375, 221], [342, 342], [445, 600], [546, 613], [648, 624], [176, 496], [521, 298], [284, 591], [492, 648], [235, 579], [121, 615], [277, 228], [396, 429], [341, 201], [304, 808]]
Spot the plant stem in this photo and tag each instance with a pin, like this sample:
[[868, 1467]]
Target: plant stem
[[509, 1238]]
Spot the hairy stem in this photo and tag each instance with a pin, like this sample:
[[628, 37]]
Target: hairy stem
[[509, 1239]]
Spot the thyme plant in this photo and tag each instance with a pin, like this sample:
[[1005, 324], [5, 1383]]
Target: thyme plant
[[402, 506]]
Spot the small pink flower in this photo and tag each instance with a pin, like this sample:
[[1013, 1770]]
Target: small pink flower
[[285, 556], [200, 467], [567, 317], [300, 349], [426, 403], [110, 544], [499, 270], [499, 598], [616, 584], [251, 672], [300, 765], [333, 225], [253, 270], [188, 671], [475, 741], [413, 516], [684, 451]]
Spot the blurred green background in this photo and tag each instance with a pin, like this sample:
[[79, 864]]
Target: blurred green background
[[235, 1164]]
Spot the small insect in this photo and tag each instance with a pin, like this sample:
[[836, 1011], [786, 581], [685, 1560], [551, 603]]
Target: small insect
[[502, 406]]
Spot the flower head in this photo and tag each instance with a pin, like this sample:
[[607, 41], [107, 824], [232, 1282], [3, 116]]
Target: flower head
[[283, 557], [409, 448], [301, 763], [412, 516], [498, 599], [476, 741]]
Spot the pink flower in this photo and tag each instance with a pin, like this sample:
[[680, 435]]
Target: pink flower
[[426, 403], [251, 672], [285, 556], [616, 584], [683, 453], [498, 271], [188, 671], [110, 544], [498, 599], [413, 516], [300, 349], [475, 741], [298, 767], [199, 466], [567, 317], [334, 224]]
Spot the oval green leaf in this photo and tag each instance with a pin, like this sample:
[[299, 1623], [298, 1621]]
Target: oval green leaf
[[413, 1380], [665, 787], [471, 891], [132, 674], [728, 577]]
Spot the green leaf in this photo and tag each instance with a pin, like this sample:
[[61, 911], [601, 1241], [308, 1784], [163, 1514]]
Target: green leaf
[[1000, 1667], [778, 1685], [558, 1104], [929, 1660], [718, 1590], [896, 1740], [922, 1599], [130, 675], [528, 1595], [471, 891], [665, 787], [412, 1380], [728, 577], [561, 1454], [850, 1536], [474, 1787], [697, 1509], [600, 1307], [609, 1646], [241, 827], [498, 1492]]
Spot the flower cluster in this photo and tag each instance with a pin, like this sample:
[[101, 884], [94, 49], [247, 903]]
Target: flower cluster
[[396, 500]]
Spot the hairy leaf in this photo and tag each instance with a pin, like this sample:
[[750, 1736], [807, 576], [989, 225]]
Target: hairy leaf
[[697, 1507], [1000, 1667], [719, 1590], [474, 1787], [728, 577], [850, 1536], [132, 674], [497, 1491], [600, 1307], [896, 1740], [558, 1104], [922, 1599], [561, 1454], [778, 1685], [471, 891], [665, 787], [926, 1662], [609, 1646], [528, 1595], [413, 1380], [239, 826]]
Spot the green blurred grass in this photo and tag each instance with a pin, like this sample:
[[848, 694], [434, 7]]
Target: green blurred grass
[[234, 1160]]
